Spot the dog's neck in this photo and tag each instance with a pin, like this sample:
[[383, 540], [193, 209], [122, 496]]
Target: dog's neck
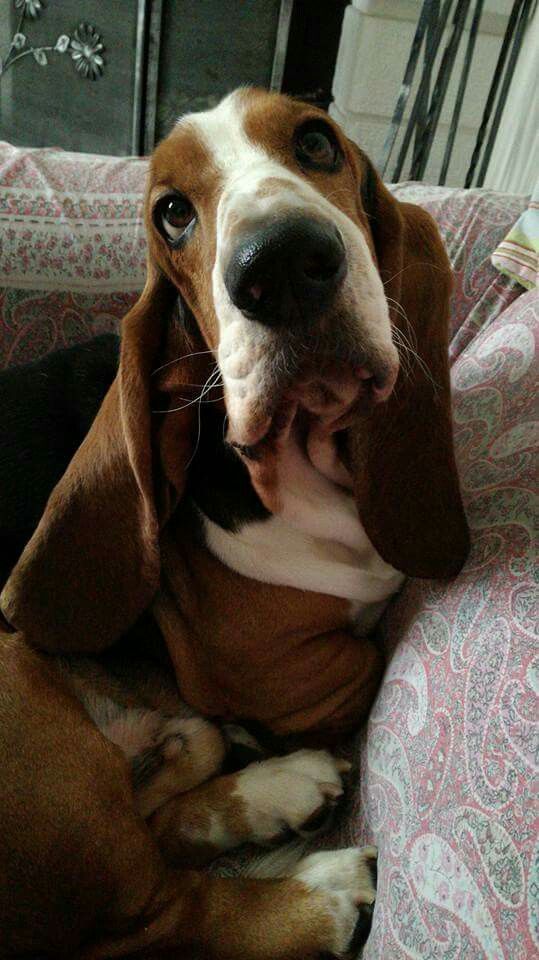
[[317, 544]]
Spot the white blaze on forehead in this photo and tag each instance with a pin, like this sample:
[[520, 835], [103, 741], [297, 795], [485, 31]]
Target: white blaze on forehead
[[222, 132]]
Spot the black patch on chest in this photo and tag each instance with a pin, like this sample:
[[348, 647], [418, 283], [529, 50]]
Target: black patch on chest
[[219, 482]]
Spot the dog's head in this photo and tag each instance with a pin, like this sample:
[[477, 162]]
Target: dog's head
[[259, 213], [319, 302]]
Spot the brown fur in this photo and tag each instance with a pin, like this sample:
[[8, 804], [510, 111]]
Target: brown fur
[[409, 440], [183, 826], [234, 658], [81, 876]]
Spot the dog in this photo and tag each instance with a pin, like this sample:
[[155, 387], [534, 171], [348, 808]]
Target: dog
[[264, 531]]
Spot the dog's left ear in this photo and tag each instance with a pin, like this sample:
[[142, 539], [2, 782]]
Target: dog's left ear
[[93, 564], [401, 452]]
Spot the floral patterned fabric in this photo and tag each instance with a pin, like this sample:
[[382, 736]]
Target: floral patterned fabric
[[72, 247], [445, 769]]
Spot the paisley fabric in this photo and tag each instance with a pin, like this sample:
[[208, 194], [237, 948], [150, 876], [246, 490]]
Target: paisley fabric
[[472, 223], [35, 322], [444, 778], [450, 758]]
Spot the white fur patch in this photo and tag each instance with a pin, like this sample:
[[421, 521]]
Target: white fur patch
[[287, 791], [345, 875], [320, 546], [276, 552]]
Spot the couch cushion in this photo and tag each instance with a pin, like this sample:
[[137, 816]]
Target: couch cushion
[[449, 759], [72, 247]]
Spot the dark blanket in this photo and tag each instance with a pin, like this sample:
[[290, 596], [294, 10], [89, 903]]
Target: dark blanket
[[46, 409]]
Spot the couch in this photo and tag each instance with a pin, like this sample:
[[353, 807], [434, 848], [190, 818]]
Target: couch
[[444, 773]]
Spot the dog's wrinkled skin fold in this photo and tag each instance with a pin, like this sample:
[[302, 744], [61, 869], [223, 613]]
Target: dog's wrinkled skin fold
[[88, 878]]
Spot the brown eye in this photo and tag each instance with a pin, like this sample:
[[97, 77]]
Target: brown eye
[[316, 146], [173, 215]]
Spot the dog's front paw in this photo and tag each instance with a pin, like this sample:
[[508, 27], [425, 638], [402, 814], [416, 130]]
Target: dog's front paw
[[295, 793], [183, 753], [349, 878]]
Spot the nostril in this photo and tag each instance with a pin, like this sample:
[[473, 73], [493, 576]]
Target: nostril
[[256, 292], [378, 385], [320, 268], [324, 264], [253, 295]]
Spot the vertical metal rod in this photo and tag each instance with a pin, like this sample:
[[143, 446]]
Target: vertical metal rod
[[440, 89], [406, 86], [153, 50], [440, 27], [138, 90], [425, 85], [517, 43], [461, 91], [513, 17]]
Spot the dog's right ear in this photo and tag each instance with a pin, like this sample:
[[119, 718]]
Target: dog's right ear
[[93, 564]]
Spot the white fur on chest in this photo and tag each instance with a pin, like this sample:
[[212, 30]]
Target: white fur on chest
[[325, 549]]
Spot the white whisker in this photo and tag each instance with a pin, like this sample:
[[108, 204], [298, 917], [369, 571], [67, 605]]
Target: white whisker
[[210, 382], [422, 263], [196, 353], [403, 343]]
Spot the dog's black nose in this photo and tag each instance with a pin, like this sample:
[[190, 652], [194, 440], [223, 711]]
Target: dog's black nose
[[289, 268]]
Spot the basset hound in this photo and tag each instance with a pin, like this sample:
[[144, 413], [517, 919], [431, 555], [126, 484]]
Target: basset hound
[[273, 457]]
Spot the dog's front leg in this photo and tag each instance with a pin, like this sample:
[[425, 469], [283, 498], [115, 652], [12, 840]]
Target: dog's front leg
[[264, 803], [322, 909], [81, 876]]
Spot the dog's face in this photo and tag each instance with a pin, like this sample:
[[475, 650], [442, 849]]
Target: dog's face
[[255, 212]]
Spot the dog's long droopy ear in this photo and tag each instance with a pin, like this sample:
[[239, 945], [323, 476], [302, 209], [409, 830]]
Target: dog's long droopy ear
[[401, 453], [93, 565]]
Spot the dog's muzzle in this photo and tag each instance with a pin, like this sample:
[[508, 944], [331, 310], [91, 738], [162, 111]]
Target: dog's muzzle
[[287, 271]]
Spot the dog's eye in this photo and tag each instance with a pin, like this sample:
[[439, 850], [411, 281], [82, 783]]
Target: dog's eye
[[173, 215], [316, 146]]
